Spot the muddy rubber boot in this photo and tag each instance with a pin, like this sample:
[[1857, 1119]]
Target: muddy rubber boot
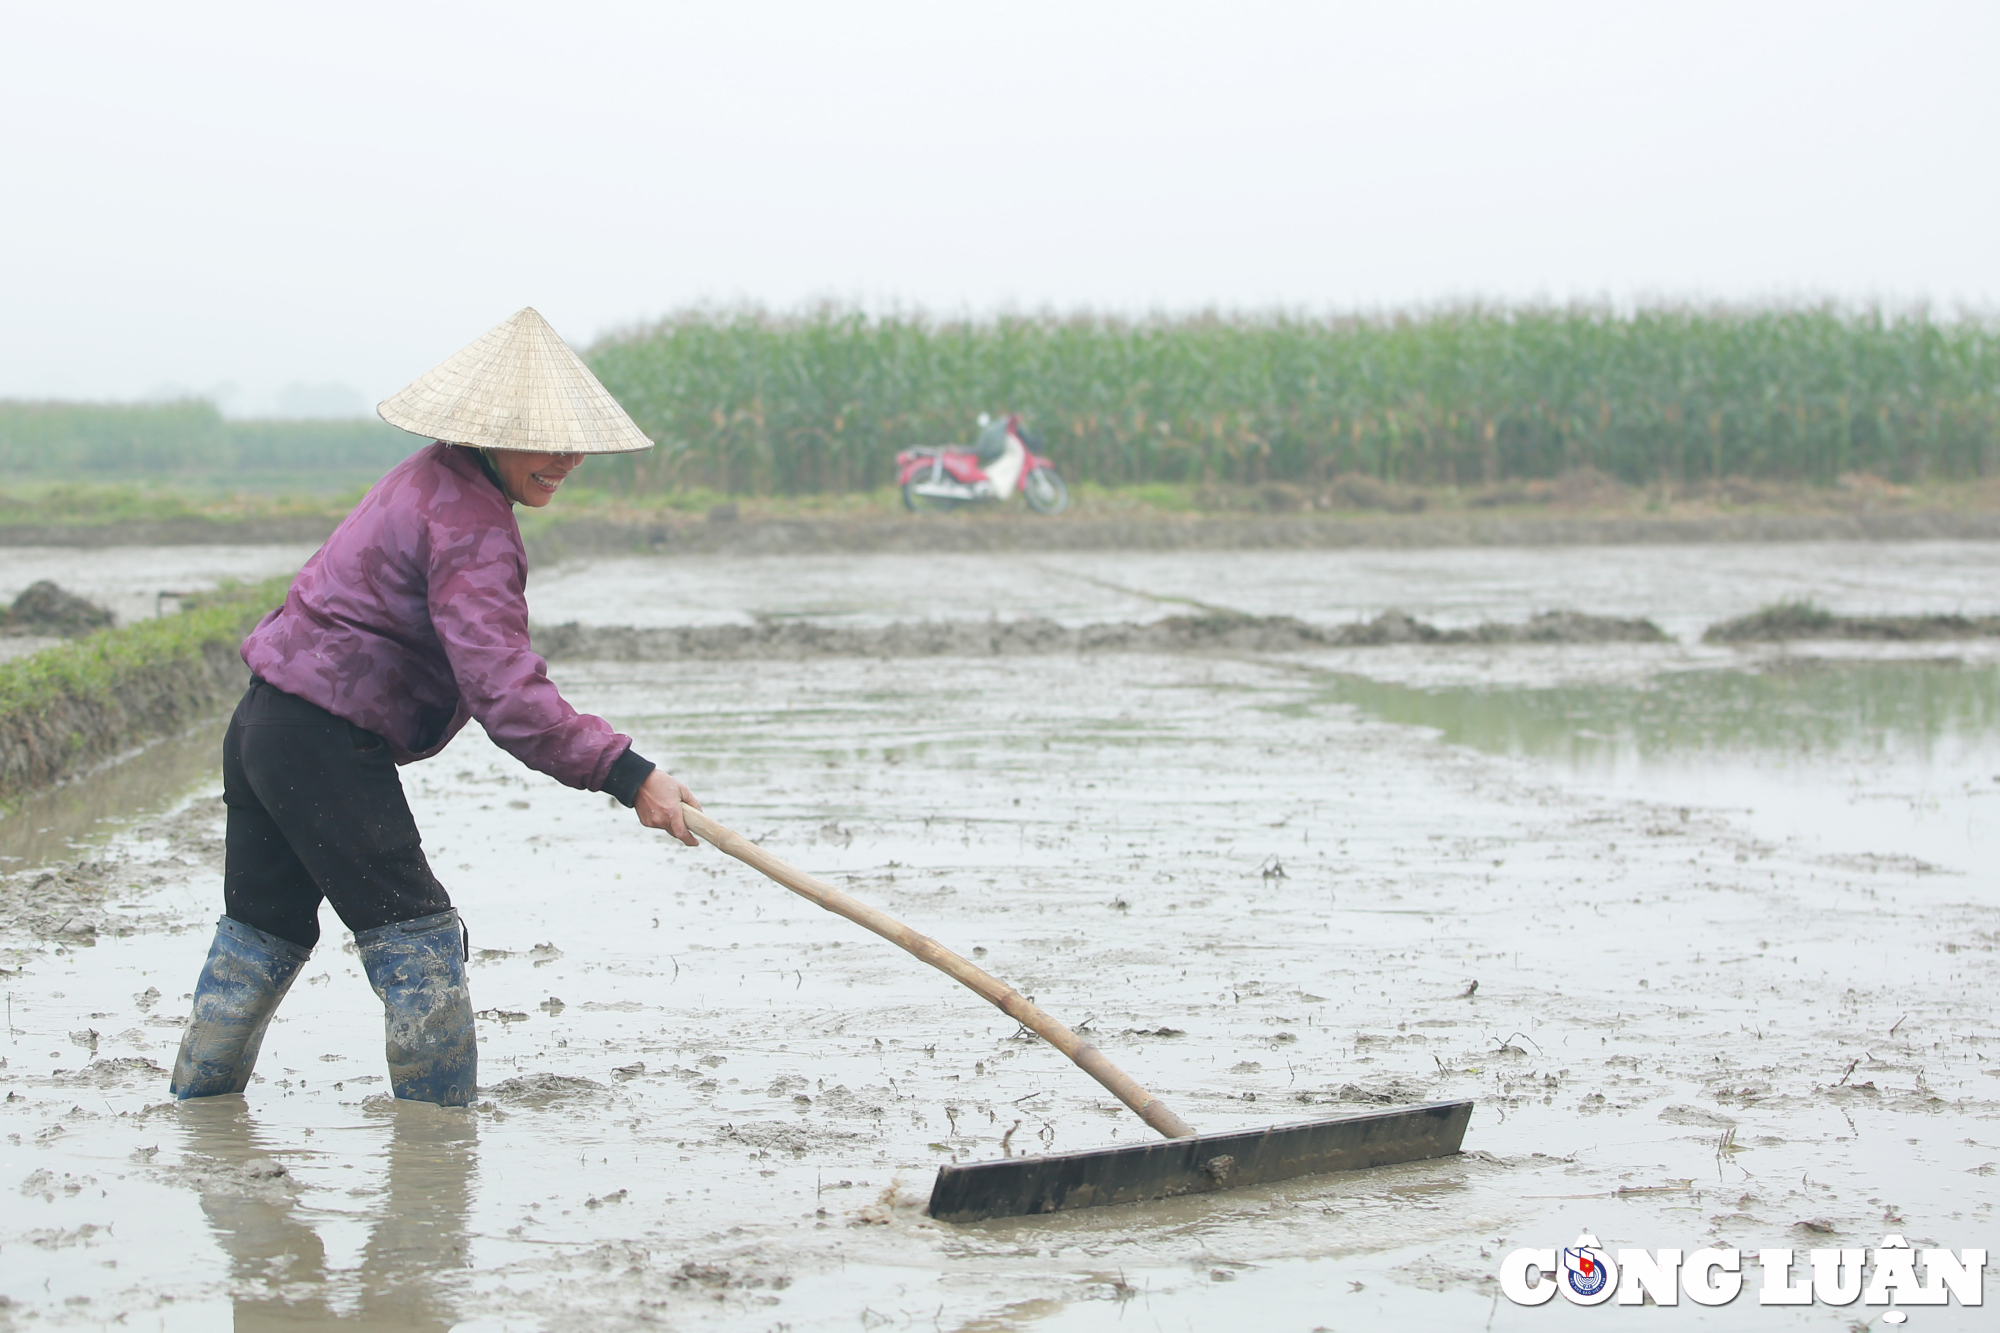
[[246, 974], [418, 968]]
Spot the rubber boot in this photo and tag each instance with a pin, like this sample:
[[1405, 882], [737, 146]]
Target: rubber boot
[[418, 968], [246, 974]]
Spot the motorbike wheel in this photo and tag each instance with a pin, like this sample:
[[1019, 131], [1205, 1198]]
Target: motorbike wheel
[[925, 504], [1045, 492]]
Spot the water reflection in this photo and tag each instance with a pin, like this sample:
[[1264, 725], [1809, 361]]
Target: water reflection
[[1856, 759], [280, 1279], [49, 825], [1909, 710], [417, 1245]]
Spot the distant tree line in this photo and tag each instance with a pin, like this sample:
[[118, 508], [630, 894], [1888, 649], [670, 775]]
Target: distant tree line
[[84, 441]]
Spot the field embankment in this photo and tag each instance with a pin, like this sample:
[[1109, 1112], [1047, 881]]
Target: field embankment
[[68, 708], [1212, 629], [588, 535], [140, 510], [1578, 508], [188, 531], [792, 640], [1790, 621], [585, 531]]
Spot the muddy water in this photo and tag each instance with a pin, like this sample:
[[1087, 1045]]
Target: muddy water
[[1865, 757], [59, 823], [1704, 1014], [1683, 588]]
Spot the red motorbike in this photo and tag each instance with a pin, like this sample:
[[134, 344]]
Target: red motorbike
[[1004, 460]]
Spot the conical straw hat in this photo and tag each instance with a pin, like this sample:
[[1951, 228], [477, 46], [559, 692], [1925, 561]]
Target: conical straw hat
[[518, 387]]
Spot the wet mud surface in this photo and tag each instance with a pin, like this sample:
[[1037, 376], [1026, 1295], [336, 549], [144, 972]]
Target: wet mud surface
[[1566, 881]]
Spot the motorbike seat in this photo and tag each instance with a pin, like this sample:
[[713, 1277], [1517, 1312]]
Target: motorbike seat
[[992, 443]]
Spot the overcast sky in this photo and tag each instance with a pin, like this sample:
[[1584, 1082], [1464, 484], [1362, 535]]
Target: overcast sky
[[262, 195]]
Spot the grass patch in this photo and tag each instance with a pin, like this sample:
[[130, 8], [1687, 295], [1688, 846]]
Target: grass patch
[[86, 504], [1155, 497], [97, 663]]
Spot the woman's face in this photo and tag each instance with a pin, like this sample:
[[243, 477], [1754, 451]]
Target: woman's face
[[532, 479]]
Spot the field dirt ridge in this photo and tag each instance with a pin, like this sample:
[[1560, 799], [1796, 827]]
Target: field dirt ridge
[[793, 640]]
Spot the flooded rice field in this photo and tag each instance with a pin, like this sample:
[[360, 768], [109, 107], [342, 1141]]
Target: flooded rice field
[[1708, 936], [139, 582], [1682, 588]]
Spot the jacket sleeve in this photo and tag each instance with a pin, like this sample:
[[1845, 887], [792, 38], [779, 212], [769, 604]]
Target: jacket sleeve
[[479, 609]]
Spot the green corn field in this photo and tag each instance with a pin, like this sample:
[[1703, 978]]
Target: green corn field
[[750, 402]]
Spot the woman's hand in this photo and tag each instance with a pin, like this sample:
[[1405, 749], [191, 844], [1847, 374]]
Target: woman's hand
[[661, 797]]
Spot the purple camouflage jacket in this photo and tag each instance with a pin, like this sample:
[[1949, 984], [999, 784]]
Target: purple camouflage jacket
[[413, 618]]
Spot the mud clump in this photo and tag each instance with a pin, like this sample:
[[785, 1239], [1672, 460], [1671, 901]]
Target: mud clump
[[715, 1278], [1785, 621], [1581, 488], [546, 1090], [840, 1101], [1695, 1116], [1222, 630], [194, 831], [259, 1179], [63, 903], [47, 609], [119, 1072], [1391, 1092], [43, 1183], [1393, 627], [67, 901], [796, 1139]]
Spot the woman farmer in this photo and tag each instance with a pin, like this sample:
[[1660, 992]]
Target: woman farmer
[[407, 623]]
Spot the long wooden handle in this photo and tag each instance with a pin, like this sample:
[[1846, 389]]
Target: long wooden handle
[[988, 987]]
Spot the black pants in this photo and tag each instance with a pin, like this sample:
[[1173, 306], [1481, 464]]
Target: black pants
[[316, 811]]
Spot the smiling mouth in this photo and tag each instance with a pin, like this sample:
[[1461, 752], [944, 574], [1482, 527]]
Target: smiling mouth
[[547, 483]]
